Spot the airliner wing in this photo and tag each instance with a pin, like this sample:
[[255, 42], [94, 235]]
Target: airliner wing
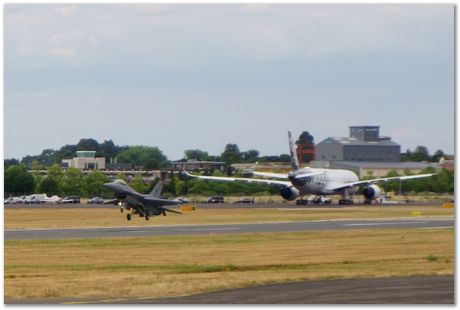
[[270, 175], [368, 182], [230, 179]]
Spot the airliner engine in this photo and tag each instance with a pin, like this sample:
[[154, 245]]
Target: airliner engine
[[371, 192], [290, 193]]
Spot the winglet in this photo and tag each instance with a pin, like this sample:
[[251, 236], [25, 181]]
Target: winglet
[[184, 175], [294, 159]]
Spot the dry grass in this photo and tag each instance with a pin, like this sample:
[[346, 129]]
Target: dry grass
[[177, 265], [104, 217]]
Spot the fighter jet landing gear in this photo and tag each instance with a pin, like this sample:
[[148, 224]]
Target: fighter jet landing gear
[[345, 202], [128, 216], [147, 217]]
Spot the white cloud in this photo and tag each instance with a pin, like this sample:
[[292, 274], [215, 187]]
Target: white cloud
[[256, 7], [24, 50], [64, 52], [65, 11]]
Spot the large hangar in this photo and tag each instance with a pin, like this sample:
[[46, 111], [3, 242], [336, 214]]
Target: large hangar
[[363, 144]]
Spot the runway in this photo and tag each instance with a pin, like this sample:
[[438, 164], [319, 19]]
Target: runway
[[400, 290], [136, 231], [396, 290]]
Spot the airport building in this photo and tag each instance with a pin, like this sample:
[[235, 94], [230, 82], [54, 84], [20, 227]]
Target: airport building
[[363, 145], [196, 165], [306, 152], [85, 160]]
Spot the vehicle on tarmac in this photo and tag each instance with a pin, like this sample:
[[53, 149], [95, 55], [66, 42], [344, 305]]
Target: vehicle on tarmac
[[144, 205], [215, 199], [13, 200], [182, 199], [315, 181], [95, 200], [70, 199]]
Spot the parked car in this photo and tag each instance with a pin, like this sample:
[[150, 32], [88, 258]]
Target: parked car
[[182, 199], [71, 199], [244, 200], [215, 199], [12, 200], [95, 200]]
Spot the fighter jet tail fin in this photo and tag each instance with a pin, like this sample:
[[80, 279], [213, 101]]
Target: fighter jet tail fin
[[294, 159], [156, 191]]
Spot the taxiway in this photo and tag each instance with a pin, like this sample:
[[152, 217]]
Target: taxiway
[[154, 230]]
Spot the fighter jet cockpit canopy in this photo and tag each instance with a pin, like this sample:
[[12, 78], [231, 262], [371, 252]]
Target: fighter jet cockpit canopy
[[121, 182]]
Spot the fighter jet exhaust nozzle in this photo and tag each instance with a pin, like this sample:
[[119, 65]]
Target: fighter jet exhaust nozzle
[[371, 192], [290, 193]]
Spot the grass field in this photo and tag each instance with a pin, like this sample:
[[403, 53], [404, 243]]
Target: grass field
[[104, 217], [112, 268], [179, 265]]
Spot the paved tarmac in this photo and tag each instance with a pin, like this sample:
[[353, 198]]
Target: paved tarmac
[[407, 290], [399, 290], [136, 231]]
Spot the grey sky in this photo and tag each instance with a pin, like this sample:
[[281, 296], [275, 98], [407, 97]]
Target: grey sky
[[201, 76]]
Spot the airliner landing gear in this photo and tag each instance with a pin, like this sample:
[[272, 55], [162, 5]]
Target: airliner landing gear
[[128, 216], [346, 198], [345, 202]]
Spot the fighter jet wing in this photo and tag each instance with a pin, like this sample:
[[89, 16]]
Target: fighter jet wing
[[230, 179], [153, 204], [372, 181], [158, 202]]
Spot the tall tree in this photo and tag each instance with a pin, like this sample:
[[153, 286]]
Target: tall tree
[[437, 156], [196, 154], [149, 157], [50, 186], [305, 138], [108, 150], [10, 162], [93, 184], [18, 181], [250, 156], [231, 154], [421, 154]]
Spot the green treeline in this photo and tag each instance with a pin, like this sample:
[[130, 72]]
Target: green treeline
[[138, 155], [19, 181]]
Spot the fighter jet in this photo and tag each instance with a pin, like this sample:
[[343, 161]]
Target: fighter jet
[[144, 205], [320, 182]]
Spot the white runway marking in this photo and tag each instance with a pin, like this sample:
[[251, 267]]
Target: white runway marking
[[208, 229], [378, 224], [439, 227], [184, 229]]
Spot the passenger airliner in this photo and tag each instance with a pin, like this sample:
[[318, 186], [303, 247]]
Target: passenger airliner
[[316, 181]]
